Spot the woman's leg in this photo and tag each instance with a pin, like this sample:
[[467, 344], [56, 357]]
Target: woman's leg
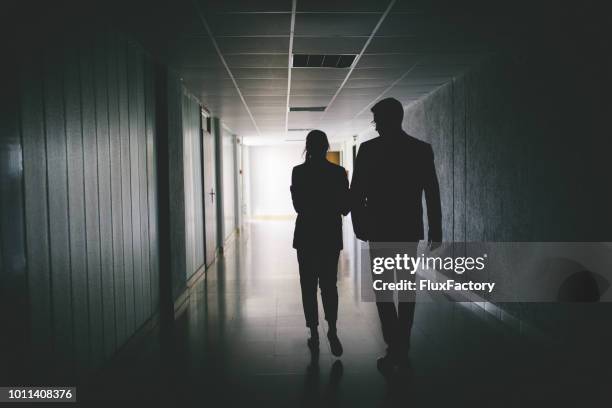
[[308, 283], [328, 276]]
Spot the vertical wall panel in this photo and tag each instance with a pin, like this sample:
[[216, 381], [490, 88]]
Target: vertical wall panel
[[198, 183], [133, 66], [152, 185], [143, 196], [36, 222], [104, 193], [87, 114], [116, 188], [192, 164], [92, 213], [126, 185], [176, 186], [76, 207], [459, 162], [229, 182], [58, 205], [13, 274], [188, 182], [218, 145]]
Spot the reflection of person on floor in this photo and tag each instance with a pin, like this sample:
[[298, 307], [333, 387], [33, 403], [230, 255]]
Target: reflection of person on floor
[[391, 173], [319, 190]]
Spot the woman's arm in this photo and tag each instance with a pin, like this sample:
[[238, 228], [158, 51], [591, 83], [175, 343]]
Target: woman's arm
[[296, 194], [345, 200]]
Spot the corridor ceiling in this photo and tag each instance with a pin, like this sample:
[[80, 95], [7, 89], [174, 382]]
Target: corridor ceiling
[[235, 56]]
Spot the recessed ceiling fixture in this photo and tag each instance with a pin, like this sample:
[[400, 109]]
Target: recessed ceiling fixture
[[307, 108], [322, 61]]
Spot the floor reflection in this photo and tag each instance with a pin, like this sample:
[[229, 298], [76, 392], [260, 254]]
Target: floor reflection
[[242, 341]]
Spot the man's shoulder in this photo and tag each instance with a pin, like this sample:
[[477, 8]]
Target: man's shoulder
[[371, 142], [370, 145], [417, 143]]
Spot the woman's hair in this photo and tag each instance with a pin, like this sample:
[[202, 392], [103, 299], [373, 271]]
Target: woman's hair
[[316, 145]]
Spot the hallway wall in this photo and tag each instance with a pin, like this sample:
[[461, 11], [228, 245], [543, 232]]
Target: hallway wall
[[192, 162], [520, 149], [228, 146], [87, 114]]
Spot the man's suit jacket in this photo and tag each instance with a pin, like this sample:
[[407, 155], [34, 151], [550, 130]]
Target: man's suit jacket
[[320, 194], [390, 175]]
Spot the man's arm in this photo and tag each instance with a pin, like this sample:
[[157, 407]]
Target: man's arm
[[358, 196], [432, 198]]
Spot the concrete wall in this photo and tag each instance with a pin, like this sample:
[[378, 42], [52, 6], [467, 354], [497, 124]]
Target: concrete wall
[[521, 145]]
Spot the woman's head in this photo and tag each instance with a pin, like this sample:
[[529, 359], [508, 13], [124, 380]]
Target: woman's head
[[316, 145]]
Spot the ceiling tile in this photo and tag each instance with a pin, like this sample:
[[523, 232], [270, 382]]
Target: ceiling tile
[[335, 24], [387, 60], [257, 60], [315, 100], [272, 84], [260, 73], [328, 45], [318, 73], [229, 45], [331, 85], [246, 5], [342, 5], [378, 73], [252, 24]]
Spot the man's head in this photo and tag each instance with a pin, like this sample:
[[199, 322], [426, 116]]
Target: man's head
[[388, 115]]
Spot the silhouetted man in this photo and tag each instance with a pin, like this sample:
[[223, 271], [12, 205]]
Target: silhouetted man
[[390, 175]]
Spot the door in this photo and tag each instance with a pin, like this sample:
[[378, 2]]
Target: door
[[209, 193]]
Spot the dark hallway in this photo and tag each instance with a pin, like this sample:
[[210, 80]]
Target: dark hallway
[[146, 216]]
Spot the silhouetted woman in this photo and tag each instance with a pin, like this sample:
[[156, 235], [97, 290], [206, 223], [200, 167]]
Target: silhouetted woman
[[319, 190]]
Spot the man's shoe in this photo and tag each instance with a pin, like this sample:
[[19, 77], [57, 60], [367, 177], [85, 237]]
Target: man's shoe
[[334, 344]]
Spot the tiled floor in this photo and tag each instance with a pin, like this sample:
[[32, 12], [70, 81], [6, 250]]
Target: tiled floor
[[242, 341]]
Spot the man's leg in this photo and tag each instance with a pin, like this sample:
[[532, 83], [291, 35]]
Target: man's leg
[[405, 320], [387, 313], [406, 306], [388, 322]]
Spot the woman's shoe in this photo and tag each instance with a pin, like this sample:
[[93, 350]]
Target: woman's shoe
[[334, 344], [313, 343]]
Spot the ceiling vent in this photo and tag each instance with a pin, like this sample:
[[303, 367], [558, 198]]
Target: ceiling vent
[[307, 108], [323, 61], [299, 130]]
